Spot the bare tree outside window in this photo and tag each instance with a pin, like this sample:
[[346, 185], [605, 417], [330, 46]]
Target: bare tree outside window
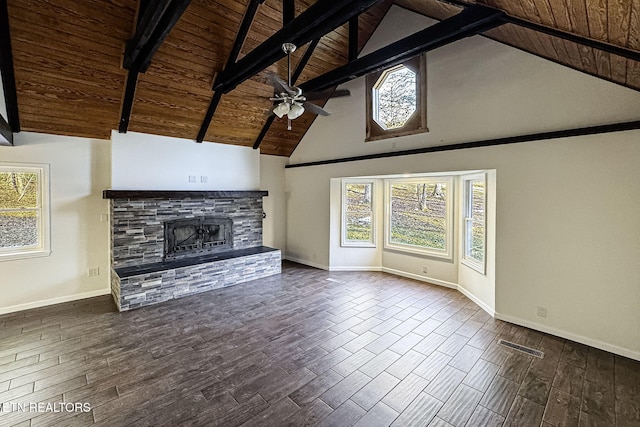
[[18, 209], [395, 97], [418, 214]]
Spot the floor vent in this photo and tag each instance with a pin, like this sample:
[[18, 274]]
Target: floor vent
[[335, 280], [527, 350]]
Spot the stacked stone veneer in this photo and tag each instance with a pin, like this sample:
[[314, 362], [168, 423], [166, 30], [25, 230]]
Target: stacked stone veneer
[[137, 242]]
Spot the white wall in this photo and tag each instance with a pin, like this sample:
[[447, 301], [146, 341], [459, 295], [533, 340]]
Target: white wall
[[79, 171], [566, 232], [150, 162], [274, 226]]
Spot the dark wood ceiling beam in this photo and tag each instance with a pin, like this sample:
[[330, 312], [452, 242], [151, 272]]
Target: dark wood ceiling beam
[[245, 26], [6, 67], [288, 11], [127, 102], [154, 25], [353, 38], [296, 75], [319, 19], [147, 23], [469, 22], [155, 31], [6, 134], [595, 44]]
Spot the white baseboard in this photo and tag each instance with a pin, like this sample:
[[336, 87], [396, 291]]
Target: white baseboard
[[477, 301], [571, 336], [305, 262], [52, 301], [358, 268], [421, 278]]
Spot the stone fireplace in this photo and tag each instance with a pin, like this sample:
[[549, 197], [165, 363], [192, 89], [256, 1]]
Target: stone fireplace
[[170, 244]]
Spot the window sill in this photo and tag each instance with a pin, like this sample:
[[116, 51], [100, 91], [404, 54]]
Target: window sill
[[478, 267], [393, 134], [357, 245], [421, 252], [38, 253]]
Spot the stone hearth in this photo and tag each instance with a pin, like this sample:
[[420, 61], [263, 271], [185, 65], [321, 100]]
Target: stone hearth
[[142, 273]]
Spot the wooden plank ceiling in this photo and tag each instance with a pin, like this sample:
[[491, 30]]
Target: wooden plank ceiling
[[70, 81]]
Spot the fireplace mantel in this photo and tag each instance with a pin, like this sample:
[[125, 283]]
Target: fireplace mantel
[[168, 194]]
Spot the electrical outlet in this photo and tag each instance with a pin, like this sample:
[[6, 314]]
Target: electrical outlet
[[542, 312], [192, 178], [424, 268], [204, 179], [94, 271]]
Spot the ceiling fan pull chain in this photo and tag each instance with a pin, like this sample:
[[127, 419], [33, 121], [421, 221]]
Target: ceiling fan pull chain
[[289, 69]]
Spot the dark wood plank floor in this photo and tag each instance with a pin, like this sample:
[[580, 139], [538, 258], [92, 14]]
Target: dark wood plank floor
[[305, 348]]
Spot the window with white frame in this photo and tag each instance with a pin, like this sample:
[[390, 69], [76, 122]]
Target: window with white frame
[[474, 233], [24, 215], [419, 216], [357, 213]]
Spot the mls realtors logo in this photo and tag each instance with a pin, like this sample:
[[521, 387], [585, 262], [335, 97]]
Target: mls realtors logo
[[68, 407]]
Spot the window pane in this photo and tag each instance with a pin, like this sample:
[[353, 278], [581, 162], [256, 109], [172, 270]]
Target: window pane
[[395, 97], [474, 242], [359, 227], [478, 200], [419, 214], [18, 190], [476, 247], [18, 229], [358, 197]]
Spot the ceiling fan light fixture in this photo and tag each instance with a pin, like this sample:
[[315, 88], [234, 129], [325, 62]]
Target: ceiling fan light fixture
[[281, 109], [295, 111]]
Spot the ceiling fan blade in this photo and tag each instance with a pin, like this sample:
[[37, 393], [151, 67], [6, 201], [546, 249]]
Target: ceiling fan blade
[[315, 109], [278, 84], [324, 94]]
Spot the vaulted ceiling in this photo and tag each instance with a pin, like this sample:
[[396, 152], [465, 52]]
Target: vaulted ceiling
[[68, 61]]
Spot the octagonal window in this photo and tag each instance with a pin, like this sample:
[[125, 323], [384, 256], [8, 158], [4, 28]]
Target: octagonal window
[[394, 97]]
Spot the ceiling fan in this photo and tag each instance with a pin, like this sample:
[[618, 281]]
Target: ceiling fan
[[289, 100]]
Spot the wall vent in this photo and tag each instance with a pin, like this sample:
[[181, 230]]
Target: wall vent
[[521, 348]]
